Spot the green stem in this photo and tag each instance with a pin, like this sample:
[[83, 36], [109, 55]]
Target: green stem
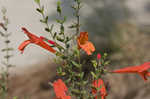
[[44, 17]]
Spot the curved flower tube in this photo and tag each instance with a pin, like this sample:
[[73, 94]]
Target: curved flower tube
[[142, 70], [36, 40]]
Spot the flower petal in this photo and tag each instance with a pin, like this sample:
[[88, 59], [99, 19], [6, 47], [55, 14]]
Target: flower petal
[[83, 43], [23, 45], [99, 84], [88, 47], [60, 89]]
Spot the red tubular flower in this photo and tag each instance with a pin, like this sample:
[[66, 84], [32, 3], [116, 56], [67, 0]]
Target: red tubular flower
[[142, 70], [60, 90], [83, 43], [98, 56], [36, 40], [102, 90]]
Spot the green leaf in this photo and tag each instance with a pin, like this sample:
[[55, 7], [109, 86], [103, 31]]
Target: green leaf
[[67, 39], [81, 75], [75, 91], [107, 63], [39, 10], [55, 34], [59, 39], [8, 56], [46, 19], [105, 54], [52, 26], [67, 45], [37, 1], [76, 64], [93, 74], [59, 21], [47, 29], [68, 80], [64, 57], [73, 26], [42, 21], [65, 18], [42, 9], [76, 51], [62, 29], [85, 82], [7, 49], [94, 62], [7, 41], [59, 69], [58, 7]]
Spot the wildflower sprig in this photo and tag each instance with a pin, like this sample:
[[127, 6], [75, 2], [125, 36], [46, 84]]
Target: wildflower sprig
[[44, 19], [5, 70], [76, 7]]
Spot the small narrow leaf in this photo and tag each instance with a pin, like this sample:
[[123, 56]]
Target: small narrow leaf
[[42, 9], [52, 26], [67, 45], [65, 18], [58, 7], [8, 56], [62, 29], [59, 39], [7, 49], [59, 21], [76, 51], [39, 10], [75, 64], [93, 74], [46, 19], [42, 21], [7, 41], [107, 63], [94, 63], [75, 91], [47, 29], [37, 1], [55, 34], [67, 39]]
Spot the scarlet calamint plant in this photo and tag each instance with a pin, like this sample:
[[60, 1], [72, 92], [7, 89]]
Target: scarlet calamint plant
[[4, 69], [79, 78]]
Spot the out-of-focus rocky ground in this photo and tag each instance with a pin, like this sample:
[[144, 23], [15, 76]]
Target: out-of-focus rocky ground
[[32, 83], [134, 50]]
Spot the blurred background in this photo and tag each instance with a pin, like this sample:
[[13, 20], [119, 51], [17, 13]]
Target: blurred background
[[119, 27]]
